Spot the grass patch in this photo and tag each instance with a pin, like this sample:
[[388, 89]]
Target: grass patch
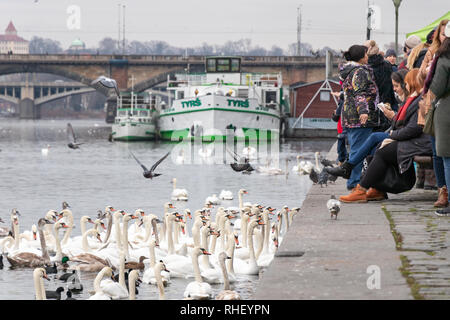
[[413, 285]]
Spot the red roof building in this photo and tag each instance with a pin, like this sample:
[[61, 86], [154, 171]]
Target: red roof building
[[10, 42]]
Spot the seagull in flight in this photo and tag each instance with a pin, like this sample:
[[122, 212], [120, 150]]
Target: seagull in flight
[[150, 173], [107, 83], [72, 138]]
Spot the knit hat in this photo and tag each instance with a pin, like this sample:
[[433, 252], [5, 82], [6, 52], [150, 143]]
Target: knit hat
[[412, 41], [372, 48], [390, 53], [447, 30]]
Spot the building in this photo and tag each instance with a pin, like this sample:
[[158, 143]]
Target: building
[[315, 102], [10, 42], [77, 46]]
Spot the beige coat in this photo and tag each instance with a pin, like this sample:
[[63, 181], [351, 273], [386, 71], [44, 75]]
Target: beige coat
[[425, 104]]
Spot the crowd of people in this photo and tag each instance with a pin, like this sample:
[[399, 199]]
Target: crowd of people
[[389, 113]]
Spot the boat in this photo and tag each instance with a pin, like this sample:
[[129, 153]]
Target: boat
[[222, 102], [134, 119]]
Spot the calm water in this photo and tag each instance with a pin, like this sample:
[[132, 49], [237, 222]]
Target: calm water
[[103, 173]]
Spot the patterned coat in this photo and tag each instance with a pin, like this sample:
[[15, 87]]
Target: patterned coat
[[360, 96]]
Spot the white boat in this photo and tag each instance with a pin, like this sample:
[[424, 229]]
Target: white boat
[[134, 121], [222, 102]]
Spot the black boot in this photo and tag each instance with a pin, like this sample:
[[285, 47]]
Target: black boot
[[344, 170]]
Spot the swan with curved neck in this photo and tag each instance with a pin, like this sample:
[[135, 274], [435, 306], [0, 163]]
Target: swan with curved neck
[[158, 268], [198, 289], [58, 225], [99, 294], [149, 274], [38, 275], [226, 294], [31, 260], [51, 215], [108, 215]]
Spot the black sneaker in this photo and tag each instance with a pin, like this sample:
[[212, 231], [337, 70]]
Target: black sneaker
[[443, 212]]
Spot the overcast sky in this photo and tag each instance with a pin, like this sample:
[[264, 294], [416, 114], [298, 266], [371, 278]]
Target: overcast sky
[[334, 23]]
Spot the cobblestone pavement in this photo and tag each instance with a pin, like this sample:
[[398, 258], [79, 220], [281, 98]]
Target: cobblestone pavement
[[423, 241]]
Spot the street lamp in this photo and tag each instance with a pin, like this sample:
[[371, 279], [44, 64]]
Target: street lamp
[[396, 4]]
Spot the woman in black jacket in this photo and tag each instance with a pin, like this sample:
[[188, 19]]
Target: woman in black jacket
[[406, 140]]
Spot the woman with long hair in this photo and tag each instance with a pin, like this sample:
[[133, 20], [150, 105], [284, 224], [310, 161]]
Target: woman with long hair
[[405, 140]]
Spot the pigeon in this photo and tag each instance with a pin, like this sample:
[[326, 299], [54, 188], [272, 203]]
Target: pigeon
[[334, 206], [314, 176], [72, 138], [241, 164], [150, 173], [323, 178], [326, 162]]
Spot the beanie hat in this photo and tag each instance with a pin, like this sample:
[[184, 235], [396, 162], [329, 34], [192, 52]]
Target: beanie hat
[[412, 41], [372, 48], [355, 53], [390, 53]]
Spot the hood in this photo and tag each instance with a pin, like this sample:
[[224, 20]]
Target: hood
[[347, 68], [376, 60]]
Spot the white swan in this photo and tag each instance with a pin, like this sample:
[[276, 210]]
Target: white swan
[[44, 151], [99, 294], [250, 266], [68, 216], [198, 289], [149, 273], [178, 194], [38, 275], [250, 153], [213, 200], [158, 269], [116, 290], [132, 278], [226, 195]]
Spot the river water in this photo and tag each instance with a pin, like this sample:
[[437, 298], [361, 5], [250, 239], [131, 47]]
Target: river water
[[103, 173]]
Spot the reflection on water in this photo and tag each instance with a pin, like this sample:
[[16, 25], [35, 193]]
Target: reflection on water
[[103, 173]]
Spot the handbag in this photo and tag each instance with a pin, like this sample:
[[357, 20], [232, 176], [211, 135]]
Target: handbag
[[428, 128], [393, 181]]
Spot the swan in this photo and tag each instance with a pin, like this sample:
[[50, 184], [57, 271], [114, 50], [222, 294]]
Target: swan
[[125, 243], [178, 194], [269, 170], [180, 157], [250, 153], [149, 273], [44, 151], [32, 260], [99, 294], [113, 289], [292, 213], [4, 231], [51, 215], [237, 222], [167, 206], [206, 152], [226, 294], [58, 225], [213, 200], [198, 289], [226, 195], [158, 269], [132, 278], [67, 214], [38, 275], [250, 266], [284, 216]]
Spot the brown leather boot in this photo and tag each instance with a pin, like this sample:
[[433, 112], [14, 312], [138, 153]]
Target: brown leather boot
[[430, 180], [375, 195], [358, 195], [442, 200]]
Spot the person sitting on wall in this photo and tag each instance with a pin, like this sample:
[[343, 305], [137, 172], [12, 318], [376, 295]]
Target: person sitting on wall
[[406, 140]]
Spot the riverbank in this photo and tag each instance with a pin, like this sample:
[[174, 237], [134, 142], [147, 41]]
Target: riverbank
[[399, 242]]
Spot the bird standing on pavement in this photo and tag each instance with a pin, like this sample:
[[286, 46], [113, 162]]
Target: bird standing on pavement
[[334, 206]]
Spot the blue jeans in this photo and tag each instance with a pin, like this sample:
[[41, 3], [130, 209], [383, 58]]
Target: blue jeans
[[356, 138], [438, 166], [446, 162], [368, 147]]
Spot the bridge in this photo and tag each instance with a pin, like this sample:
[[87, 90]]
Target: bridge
[[148, 71]]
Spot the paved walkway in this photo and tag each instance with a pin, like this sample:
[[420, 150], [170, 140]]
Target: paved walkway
[[400, 237]]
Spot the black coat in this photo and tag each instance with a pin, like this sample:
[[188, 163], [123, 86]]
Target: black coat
[[411, 139]]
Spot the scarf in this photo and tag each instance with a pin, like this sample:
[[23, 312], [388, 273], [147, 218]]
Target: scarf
[[401, 115]]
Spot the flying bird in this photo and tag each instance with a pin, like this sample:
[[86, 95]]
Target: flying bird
[[241, 164], [150, 173], [334, 206], [73, 144], [105, 82]]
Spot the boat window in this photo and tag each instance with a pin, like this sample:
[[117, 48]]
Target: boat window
[[235, 65], [135, 112], [122, 113], [143, 113], [223, 65], [271, 98], [211, 65], [242, 93], [180, 94]]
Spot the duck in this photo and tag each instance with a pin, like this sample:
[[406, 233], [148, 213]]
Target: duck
[[178, 194], [51, 269], [54, 294], [198, 289], [226, 294], [136, 265]]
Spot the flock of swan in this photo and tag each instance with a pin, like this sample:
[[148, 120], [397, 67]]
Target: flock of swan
[[124, 249]]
